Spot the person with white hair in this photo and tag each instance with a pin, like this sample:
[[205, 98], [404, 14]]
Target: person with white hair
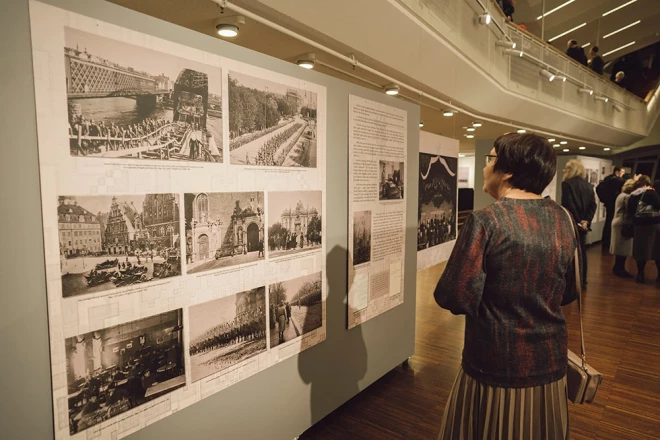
[[620, 79]]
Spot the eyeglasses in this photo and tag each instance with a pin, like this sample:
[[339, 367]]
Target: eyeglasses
[[489, 158]]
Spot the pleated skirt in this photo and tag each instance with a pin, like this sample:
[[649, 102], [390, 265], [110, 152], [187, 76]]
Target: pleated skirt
[[476, 411]]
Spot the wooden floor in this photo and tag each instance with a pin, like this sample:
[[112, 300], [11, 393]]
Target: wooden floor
[[622, 337]]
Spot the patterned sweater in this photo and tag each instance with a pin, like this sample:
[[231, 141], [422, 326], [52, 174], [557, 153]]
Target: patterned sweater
[[510, 272]]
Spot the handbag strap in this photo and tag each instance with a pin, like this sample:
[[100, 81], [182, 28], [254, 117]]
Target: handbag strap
[[578, 287]]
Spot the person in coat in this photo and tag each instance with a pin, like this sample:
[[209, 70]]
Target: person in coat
[[646, 230], [608, 190], [511, 270], [621, 247]]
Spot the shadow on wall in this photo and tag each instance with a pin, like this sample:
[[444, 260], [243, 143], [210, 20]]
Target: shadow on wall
[[334, 367]]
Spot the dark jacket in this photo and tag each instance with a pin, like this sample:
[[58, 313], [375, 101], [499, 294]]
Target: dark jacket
[[577, 53], [609, 189], [650, 197], [597, 64], [511, 270], [577, 195]]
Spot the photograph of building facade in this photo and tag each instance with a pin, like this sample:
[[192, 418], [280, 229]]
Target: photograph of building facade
[[138, 240], [295, 222], [223, 229]]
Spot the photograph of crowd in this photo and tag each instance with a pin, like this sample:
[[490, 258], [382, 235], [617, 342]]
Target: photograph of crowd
[[125, 101], [271, 124], [361, 237], [226, 331], [223, 229], [391, 180], [295, 222], [436, 215], [113, 370], [296, 308], [107, 242]]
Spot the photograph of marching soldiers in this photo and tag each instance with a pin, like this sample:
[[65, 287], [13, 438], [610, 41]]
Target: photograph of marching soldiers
[[107, 242], [391, 180], [226, 331], [126, 101], [295, 222], [361, 237], [295, 307], [271, 124], [113, 370], [223, 229], [436, 215]]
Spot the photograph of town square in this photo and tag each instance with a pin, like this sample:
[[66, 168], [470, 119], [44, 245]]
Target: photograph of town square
[[125, 101], [295, 307], [391, 180], [295, 222], [436, 215], [223, 229], [113, 370], [271, 124], [107, 242], [361, 237], [226, 331]]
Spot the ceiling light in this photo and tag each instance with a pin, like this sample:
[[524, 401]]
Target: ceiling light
[[619, 48], [582, 148], [485, 19], [586, 45], [392, 89], [461, 155], [306, 61], [477, 124], [601, 98], [555, 9], [617, 8], [469, 136], [471, 129], [606, 149], [447, 113], [585, 91], [567, 32], [617, 107], [227, 30], [551, 140], [556, 145], [565, 150], [522, 130], [421, 123], [505, 43], [563, 142], [622, 29], [546, 74], [514, 52]]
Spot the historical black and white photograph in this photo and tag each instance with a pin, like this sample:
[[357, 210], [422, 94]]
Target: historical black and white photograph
[[391, 180], [436, 210], [113, 370], [107, 242], [592, 176], [271, 124], [296, 308], [361, 237], [126, 101], [226, 331], [295, 222], [223, 229]]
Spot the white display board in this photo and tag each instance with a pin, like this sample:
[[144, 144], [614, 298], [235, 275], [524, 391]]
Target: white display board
[[183, 196], [437, 207], [377, 143]]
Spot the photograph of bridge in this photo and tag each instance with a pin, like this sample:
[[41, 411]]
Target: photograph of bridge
[[126, 101], [271, 124]]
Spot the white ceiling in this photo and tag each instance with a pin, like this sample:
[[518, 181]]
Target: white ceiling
[[591, 12]]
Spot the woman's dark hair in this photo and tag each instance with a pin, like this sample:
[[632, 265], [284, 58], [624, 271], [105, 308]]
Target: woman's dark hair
[[642, 182], [529, 158]]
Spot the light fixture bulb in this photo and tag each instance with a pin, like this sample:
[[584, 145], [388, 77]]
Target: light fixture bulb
[[514, 52], [565, 150], [470, 136], [601, 98], [421, 123], [564, 142], [556, 145], [447, 113], [505, 43], [471, 129], [585, 91], [485, 19], [522, 130], [606, 149], [548, 75], [477, 124], [551, 140], [227, 30], [582, 148], [392, 89]]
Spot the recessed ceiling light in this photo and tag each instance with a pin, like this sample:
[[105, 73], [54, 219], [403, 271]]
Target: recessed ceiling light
[[556, 145], [306, 61], [471, 129], [619, 7], [447, 113], [606, 149], [469, 136], [477, 124], [619, 48], [392, 89], [555, 9], [582, 148], [421, 123], [522, 130], [227, 30], [567, 32], [563, 142], [622, 29], [551, 140], [566, 149]]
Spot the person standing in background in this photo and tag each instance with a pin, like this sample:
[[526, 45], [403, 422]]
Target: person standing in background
[[608, 190], [646, 230], [621, 246], [576, 52], [596, 62], [577, 196]]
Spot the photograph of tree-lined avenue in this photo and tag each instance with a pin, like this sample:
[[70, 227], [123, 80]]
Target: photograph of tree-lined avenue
[[271, 124]]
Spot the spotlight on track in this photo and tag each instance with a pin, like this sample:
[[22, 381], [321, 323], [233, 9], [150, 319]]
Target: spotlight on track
[[584, 91], [617, 107], [306, 61], [548, 75], [447, 113], [515, 52], [506, 44], [392, 89], [601, 98]]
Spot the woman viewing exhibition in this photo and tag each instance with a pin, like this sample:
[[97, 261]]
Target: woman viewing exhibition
[[646, 229], [510, 272], [621, 246], [578, 197]]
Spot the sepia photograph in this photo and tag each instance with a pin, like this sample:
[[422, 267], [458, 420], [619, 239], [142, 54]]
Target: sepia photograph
[[271, 124], [226, 331], [592, 176], [296, 308], [391, 180], [113, 370], [126, 101], [361, 237], [436, 210], [223, 229], [107, 242], [295, 222]]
